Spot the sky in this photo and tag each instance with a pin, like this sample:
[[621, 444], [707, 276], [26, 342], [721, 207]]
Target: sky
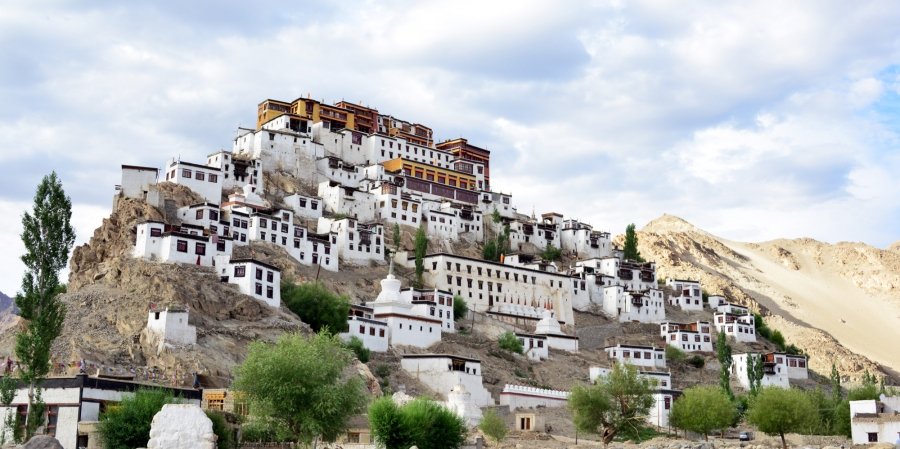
[[752, 120]]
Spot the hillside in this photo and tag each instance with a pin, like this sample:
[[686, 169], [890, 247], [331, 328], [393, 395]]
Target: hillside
[[824, 298], [8, 311]]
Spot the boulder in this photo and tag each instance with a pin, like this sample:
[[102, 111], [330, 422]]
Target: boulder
[[181, 426]]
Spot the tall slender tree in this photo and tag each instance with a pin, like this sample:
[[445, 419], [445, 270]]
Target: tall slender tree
[[48, 237], [755, 373], [631, 244], [723, 351], [421, 245]]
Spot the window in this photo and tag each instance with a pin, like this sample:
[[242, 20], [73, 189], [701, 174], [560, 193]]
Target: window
[[200, 249], [258, 288], [186, 173], [240, 271], [52, 416], [201, 176], [181, 246], [213, 178], [270, 276], [873, 437], [199, 214], [269, 292], [155, 232], [259, 273]]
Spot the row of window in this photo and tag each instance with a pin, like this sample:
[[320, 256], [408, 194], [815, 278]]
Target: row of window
[[213, 214], [638, 354], [198, 175], [241, 271]]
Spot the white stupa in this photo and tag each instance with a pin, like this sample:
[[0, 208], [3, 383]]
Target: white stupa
[[548, 325], [459, 400], [390, 288]]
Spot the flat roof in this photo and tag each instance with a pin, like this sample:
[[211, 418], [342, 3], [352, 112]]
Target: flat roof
[[257, 262], [439, 356], [138, 167]]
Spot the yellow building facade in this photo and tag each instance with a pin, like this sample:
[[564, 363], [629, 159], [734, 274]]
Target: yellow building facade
[[308, 109], [431, 173]]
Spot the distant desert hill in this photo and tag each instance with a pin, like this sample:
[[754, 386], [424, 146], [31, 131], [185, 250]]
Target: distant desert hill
[[838, 302], [895, 247]]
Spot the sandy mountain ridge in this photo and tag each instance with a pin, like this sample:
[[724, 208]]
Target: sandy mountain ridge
[[838, 302]]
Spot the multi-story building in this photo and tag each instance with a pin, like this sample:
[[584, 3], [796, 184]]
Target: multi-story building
[[358, 243], [875, 421], [462, 149], [735, 321], [778, 368], [254, 278], [690, 337], [415, 133], [639, 356], [663, 394], [206, 181], [580, 240], [685, 294], [158, 241], [486, 285]]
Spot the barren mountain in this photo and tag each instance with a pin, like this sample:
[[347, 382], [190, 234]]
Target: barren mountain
[[840, 303]]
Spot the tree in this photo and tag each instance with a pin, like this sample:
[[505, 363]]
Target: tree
[[493, 425], [777, 411], [489, 251], [495, 216], [316, 306], [8, 387], [421, 423], [421, 247], [298, 386], [755, 372], [460, 308], [397, 237], [220, 426], [835, 380], [703, 409], [723, 352], [126, 425], [631, 245], [778, 339], [551, 253], [48, 237], [359, 349], [509, 342], [616, 403]]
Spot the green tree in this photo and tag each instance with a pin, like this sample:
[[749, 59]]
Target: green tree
[[551, 253], [316, 305], [723, 353], [397, 237], [703, 409], [48, 236], [422, 423], [421, 248], [495, 216], [460, 307], [493, 425], [8, 387], [674, 354], [778, 339], [823, 404], [225, 436], [126, 425], [297, 384], [835, 381], [631, 245], [777, 411], [509, 342], [617, 403], [489, 251], [359, 349], [755, 373]]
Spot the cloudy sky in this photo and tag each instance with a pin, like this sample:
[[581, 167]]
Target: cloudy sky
[[753, 120]]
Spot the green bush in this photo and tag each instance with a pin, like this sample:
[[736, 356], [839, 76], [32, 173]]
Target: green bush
[[509, 342], [493, 425], [673, 354], [551, 253], [126, 425], [423, 423], [460, 308], [697, 361], [316, 306], [362, 352], [382, 370], [222, 430]]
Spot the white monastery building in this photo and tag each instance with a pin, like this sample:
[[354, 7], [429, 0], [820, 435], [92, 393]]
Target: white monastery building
[[639, 356], [689, 337], [685, 294], [778, 369], [442, 372], [875, 421]]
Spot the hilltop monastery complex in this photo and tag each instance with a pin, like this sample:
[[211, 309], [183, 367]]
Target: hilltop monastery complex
[[362, 172]]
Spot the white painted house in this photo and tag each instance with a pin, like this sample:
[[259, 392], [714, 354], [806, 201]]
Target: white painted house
[[685, 294], [74, 405], [741, 326], [304, 206], [137, 181], [875, 421], [521, 397], [689, 337], [442, 372], [158, 242], [254, 278], [171, 327], [357, 243], [778, 368], [639, 356], [534, 346], [206, 181]]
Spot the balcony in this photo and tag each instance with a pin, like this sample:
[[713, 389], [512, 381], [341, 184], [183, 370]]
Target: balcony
[[625, 275]]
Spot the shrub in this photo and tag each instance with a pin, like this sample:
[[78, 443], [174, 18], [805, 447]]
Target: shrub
[[126, 425], [316, 305], [551, 253], [382, 370], [362, 352], [222, 430], [493, 425], [422, 423], [460, 308], [696, 361], [509, 342], [703, 409], [673, 354]]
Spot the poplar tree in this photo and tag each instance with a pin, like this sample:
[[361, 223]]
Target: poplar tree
[[48, 237], [755, 373], [723, 352], [631, 245], [421, 247]]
